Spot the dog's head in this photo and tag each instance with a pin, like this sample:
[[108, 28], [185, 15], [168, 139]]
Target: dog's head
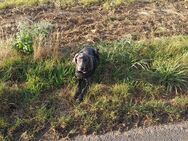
[[83, 62], [86, 62]]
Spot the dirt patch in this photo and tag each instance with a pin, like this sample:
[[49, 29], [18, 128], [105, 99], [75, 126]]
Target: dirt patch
[[79, 25]]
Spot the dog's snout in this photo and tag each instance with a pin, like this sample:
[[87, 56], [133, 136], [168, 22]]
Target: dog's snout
[[81, 69]]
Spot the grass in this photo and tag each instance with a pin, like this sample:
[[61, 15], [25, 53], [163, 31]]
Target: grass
[[63, 3], [136, 84], [13, 3], [106, 4]]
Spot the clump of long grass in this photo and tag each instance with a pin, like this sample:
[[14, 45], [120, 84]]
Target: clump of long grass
[[6, 51], [171, 74], [48, 46]]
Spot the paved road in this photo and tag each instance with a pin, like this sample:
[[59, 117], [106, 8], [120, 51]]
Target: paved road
[[171, 132]]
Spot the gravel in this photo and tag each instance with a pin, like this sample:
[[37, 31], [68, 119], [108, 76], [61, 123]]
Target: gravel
[[170, 132]]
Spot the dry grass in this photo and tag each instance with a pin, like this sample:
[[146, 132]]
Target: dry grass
[[7, 52], [47, 47]]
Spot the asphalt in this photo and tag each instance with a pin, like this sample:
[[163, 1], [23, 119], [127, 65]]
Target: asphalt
[[170, 132]]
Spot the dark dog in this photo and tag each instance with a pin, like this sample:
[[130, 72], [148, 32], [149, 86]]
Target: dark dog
[[86, 62]]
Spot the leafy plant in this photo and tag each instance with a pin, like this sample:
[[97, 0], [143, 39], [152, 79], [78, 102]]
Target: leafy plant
[[27, 33], [24, 43]]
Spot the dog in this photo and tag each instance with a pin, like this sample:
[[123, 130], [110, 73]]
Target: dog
[[86, 62]]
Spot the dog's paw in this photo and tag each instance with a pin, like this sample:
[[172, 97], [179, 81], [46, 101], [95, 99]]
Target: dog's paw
[[78, 101], [75, 97], [76, 94], [80, 98]]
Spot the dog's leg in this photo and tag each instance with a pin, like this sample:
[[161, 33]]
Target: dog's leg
[[79, 89], [84, 90]]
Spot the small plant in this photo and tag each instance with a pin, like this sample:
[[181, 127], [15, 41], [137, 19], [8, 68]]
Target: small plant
[[24, 43], [27, 33], [41, 28]]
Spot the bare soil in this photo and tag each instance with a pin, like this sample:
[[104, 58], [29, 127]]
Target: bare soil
[[82, 25]]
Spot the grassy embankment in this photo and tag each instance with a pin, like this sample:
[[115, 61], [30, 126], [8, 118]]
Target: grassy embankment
[[137, 83]]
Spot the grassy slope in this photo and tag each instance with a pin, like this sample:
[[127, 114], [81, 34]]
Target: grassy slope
[[137, 83]]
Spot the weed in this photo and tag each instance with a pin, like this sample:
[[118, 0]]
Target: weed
[[24, 43], [26, 35]]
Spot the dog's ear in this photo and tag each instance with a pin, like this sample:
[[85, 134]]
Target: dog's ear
[[91, 65], [96, 52], [75, 58]]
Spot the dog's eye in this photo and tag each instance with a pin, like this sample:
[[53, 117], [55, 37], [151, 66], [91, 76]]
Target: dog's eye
[[85, 60]]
